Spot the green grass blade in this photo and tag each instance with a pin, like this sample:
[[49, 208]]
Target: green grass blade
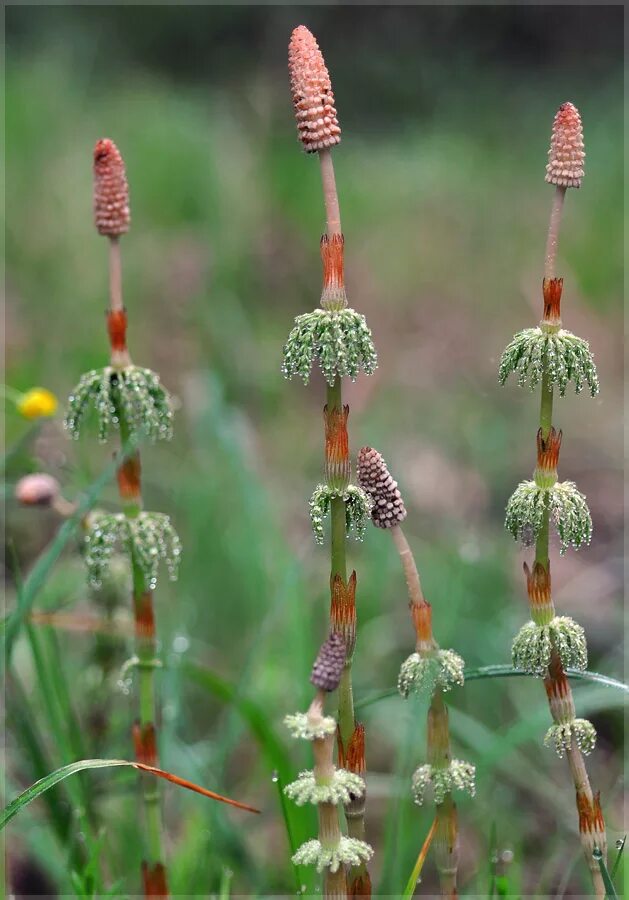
[[504, 671], [50, 780], [618, 856], [610, 890], [257, 720], [254, 716], [288, 825], [28, 733], [41, 569], [225, 887], [44, 784], [411, 885]]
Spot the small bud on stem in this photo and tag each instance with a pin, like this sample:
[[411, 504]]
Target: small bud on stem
[[328, 666]]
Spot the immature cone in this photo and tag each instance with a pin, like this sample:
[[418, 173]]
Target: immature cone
[[374, 478], [566, 155], [328, 666], [313, 99], [111, 191]]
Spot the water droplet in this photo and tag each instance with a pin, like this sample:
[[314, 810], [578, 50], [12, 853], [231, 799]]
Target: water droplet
[[180, 643], [620, 843], [275, 777], [507, 856]]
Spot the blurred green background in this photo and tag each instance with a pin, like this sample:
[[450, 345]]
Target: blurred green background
[[446, 117]]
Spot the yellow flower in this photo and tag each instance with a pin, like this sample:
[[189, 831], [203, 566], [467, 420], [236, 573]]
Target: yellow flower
[[36, 403]]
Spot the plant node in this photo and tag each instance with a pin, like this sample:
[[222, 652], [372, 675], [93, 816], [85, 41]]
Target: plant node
[[343, 787], [310, 728], [357, 509], [422, 674], [568, 511], [456, 776], [340, 339], [348, 851], [533, 645], [563, 355], [132, 391], [147, 538], [562, 736]]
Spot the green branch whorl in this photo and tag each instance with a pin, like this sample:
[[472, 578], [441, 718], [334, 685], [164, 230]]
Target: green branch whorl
[[340, 339], [564, 356]]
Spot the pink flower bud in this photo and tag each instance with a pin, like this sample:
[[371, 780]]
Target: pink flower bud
[[38, 489]]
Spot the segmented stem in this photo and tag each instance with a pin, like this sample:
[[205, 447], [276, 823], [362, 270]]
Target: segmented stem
[[330, 195], [553, 231], [145, 639], [411, 575], [115, 275], [574, 755], [145, 648], [338, 530], [447, 845]]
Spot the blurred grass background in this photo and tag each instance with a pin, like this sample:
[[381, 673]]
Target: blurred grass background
[[446, 116]]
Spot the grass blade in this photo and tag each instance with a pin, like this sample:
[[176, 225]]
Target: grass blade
[[618, 856], [409, 890], [39, 573], [44, 784], [504, 671], [253, 715], [610, 891], [292, 843]]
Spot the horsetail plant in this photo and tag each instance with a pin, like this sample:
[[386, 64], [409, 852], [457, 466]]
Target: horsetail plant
[[339, 339], [326, 786], [429, 671], [131, 401], [551, 356]]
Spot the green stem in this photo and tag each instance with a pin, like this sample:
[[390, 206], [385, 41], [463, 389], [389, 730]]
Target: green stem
[[542, 542], [338, 566], [145, 652], [542, 556], [337, 514]]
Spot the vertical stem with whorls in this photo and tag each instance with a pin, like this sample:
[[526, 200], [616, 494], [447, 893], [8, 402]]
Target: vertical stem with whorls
[[542, 546], [130, 488], [428, 670], [338, 530]]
